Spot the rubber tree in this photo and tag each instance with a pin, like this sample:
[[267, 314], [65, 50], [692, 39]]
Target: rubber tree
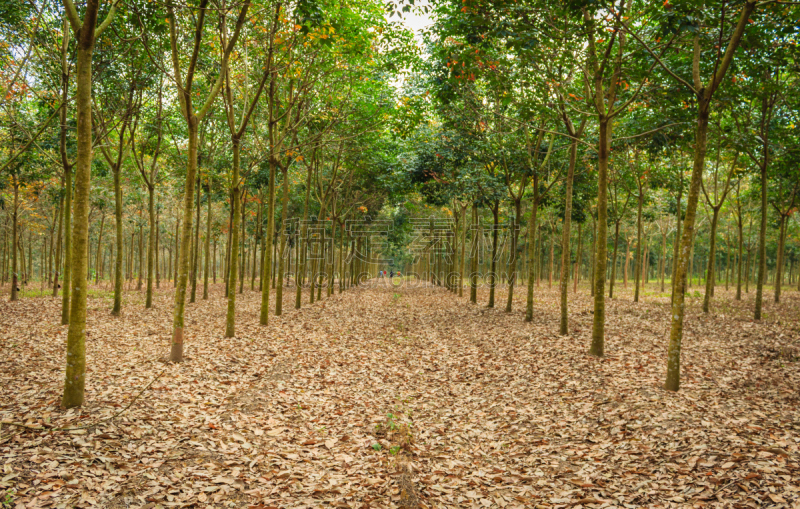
[[784, 200], [184, 82], [575, 133], [237, 131], [537, 162], [86, 32], [715, 200], [703, 91], [115, 159], [149, 174]]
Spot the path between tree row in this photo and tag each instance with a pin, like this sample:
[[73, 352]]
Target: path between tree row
[[302, 413]]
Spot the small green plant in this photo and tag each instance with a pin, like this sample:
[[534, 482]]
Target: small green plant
[[394, 450], [377, 446], [8, 499], [390, 418]]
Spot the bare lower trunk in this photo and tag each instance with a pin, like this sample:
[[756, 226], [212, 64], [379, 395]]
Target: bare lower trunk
[[779, 264], [676, 332], [151, 246], [565, 233], [282, 251], [230, 319], [599, 320], [762, 245], [182, 263], [75, 376]]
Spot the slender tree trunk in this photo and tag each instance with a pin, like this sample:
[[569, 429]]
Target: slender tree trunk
[[565, 233], [243, 206], [67, 279], [196, 245], [230, 319], [14, 240], [302, 247], [779, 264], [578, 258], [157, 249], [637, 275], [514, 241], [677, 315], [678, 237], [493, 263], [282, 251], [182, 263], [57, 260], [711, 259], [614, 261], [762, 244], [99, 247], [599, 320], [174, 272], [264, 317], [739, 264], [151, 246], [75, 376], [208, 240], [532, 250]]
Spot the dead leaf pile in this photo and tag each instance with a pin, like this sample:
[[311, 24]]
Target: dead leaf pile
[[497, 412]]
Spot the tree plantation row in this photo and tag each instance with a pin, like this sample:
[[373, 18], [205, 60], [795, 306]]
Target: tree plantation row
[[307, 146]]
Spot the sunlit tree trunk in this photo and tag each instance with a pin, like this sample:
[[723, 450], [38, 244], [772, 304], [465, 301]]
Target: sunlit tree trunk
[[14, 239], [565, 233], [67, 279], [779, 262], [230, 319], [208, 240], [599, 320], [75, 376]]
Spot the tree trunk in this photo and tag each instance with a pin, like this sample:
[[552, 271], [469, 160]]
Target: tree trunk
[[230, 319], [779, 264], [473, 276], [282, 251], [762, 244], [639, 258], [711, 260], [151, 246], [676, 332], [264, 317], [208, 240], [302, 247], [614, 261], [98, 266], [514, 240], [196, 245], [678, 237], [243, 207], [182, 263], [174, 270], [59, 237], [578, 257], [599, 319], [565, 233], [75, 376], [67, 279], [14, 240], [493, 263]]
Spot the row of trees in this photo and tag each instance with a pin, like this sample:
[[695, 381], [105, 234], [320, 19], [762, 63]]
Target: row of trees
[[608, 109], [156, 114], [611, 140]]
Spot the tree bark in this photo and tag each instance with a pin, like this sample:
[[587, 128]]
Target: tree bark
[[230, 319], [75, 376], [599, 319]]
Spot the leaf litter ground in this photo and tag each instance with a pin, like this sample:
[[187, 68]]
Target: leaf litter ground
[[500, 413]]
